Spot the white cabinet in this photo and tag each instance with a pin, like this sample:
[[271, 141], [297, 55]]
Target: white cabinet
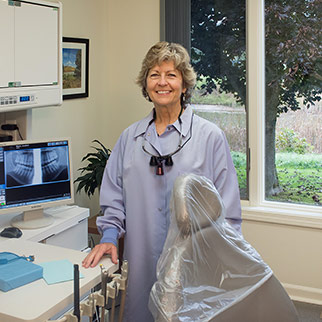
[[29, 44], [36, 45], [7, 43], [74, 237], [31, 38], [69, 230]]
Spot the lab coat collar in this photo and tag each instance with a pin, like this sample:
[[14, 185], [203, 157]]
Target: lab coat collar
[[186, 119], [143, 125]]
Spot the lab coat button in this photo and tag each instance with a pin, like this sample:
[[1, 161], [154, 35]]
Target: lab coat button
[[160, 209]]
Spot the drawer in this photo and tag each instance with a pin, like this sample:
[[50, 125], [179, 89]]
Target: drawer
[[75, 237]]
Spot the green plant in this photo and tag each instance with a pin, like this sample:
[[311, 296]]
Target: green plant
[[288, 141], [92, 173], [217, 97]]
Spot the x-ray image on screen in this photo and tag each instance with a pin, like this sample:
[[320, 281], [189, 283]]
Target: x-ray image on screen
[[20, 168], [25, 167], [54, 163]]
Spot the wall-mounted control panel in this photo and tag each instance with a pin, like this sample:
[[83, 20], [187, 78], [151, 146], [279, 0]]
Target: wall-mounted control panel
[[16, 99]]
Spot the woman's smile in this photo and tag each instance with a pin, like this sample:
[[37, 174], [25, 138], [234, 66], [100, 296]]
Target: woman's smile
[[163, 92]]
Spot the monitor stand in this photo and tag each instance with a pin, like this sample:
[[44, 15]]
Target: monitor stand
[[32, 219]]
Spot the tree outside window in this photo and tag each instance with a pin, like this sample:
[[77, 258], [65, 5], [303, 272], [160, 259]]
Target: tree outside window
[[293, 83]]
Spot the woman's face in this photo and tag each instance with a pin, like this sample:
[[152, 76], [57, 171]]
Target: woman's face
[[164, 85]]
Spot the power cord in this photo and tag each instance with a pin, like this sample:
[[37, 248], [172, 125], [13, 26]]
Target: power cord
[[11, 127]]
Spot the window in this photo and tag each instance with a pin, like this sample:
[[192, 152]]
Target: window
[[217, 36], [293, 112], [216, 39], [218, 55]]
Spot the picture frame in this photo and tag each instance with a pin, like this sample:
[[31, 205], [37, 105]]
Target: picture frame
[[75, 60]]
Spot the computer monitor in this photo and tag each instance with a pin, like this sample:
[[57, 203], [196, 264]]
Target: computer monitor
[[34, 175]]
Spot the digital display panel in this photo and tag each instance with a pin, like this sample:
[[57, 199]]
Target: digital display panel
[[24, 98]]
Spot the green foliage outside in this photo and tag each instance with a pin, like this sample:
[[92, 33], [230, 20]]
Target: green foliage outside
[[300, 176], [217, 97], [288, 141], [296, 161], [298, 169], [239, 160]]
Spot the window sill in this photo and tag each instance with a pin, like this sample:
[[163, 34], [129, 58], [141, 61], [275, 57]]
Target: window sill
[[284, 215]]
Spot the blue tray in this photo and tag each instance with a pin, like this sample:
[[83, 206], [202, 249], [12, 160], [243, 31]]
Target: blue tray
[[16, 271]]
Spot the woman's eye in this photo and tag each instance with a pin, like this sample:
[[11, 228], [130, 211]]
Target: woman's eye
[[154, 75], [172, 75]]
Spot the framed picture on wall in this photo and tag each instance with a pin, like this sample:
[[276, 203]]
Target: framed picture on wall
[[75, 67]]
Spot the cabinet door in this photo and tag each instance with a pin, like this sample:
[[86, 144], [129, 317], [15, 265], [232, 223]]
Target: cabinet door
[[7, 43], [36, 44]]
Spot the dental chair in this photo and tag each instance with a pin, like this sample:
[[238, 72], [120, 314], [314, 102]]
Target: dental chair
[[207, 271]]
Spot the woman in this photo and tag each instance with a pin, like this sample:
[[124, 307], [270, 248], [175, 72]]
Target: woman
[[144, 163]]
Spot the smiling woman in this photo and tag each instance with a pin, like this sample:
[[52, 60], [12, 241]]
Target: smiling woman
[[175, 141]]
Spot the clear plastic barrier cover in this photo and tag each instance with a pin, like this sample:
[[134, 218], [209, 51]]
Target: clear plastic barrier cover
[[206, 266]]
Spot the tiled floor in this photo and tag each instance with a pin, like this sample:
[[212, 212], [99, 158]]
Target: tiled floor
[[309, 312]]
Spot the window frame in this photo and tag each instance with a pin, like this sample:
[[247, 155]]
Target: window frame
[[256, 208]]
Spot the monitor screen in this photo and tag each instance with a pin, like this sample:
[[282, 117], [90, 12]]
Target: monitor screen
[[34, 175]]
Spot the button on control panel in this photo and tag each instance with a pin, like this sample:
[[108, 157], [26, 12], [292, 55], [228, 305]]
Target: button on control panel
[[16, 99]]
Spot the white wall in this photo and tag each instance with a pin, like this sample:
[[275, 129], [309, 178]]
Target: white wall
[[118, 42], [132, 28], [120, 33], [294, 253]]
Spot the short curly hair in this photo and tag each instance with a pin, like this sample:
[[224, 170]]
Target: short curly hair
[[165, 51]]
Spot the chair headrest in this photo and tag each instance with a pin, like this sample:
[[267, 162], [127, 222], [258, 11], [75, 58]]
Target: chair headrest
[[196, 203]]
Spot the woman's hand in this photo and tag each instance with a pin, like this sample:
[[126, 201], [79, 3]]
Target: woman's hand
[[97, 253]]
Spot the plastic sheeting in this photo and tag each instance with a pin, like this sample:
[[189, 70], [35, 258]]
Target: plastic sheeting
[[206, 266]]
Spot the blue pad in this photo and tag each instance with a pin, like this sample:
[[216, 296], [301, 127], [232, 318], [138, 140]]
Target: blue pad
[[58, 271], [16, 271]]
